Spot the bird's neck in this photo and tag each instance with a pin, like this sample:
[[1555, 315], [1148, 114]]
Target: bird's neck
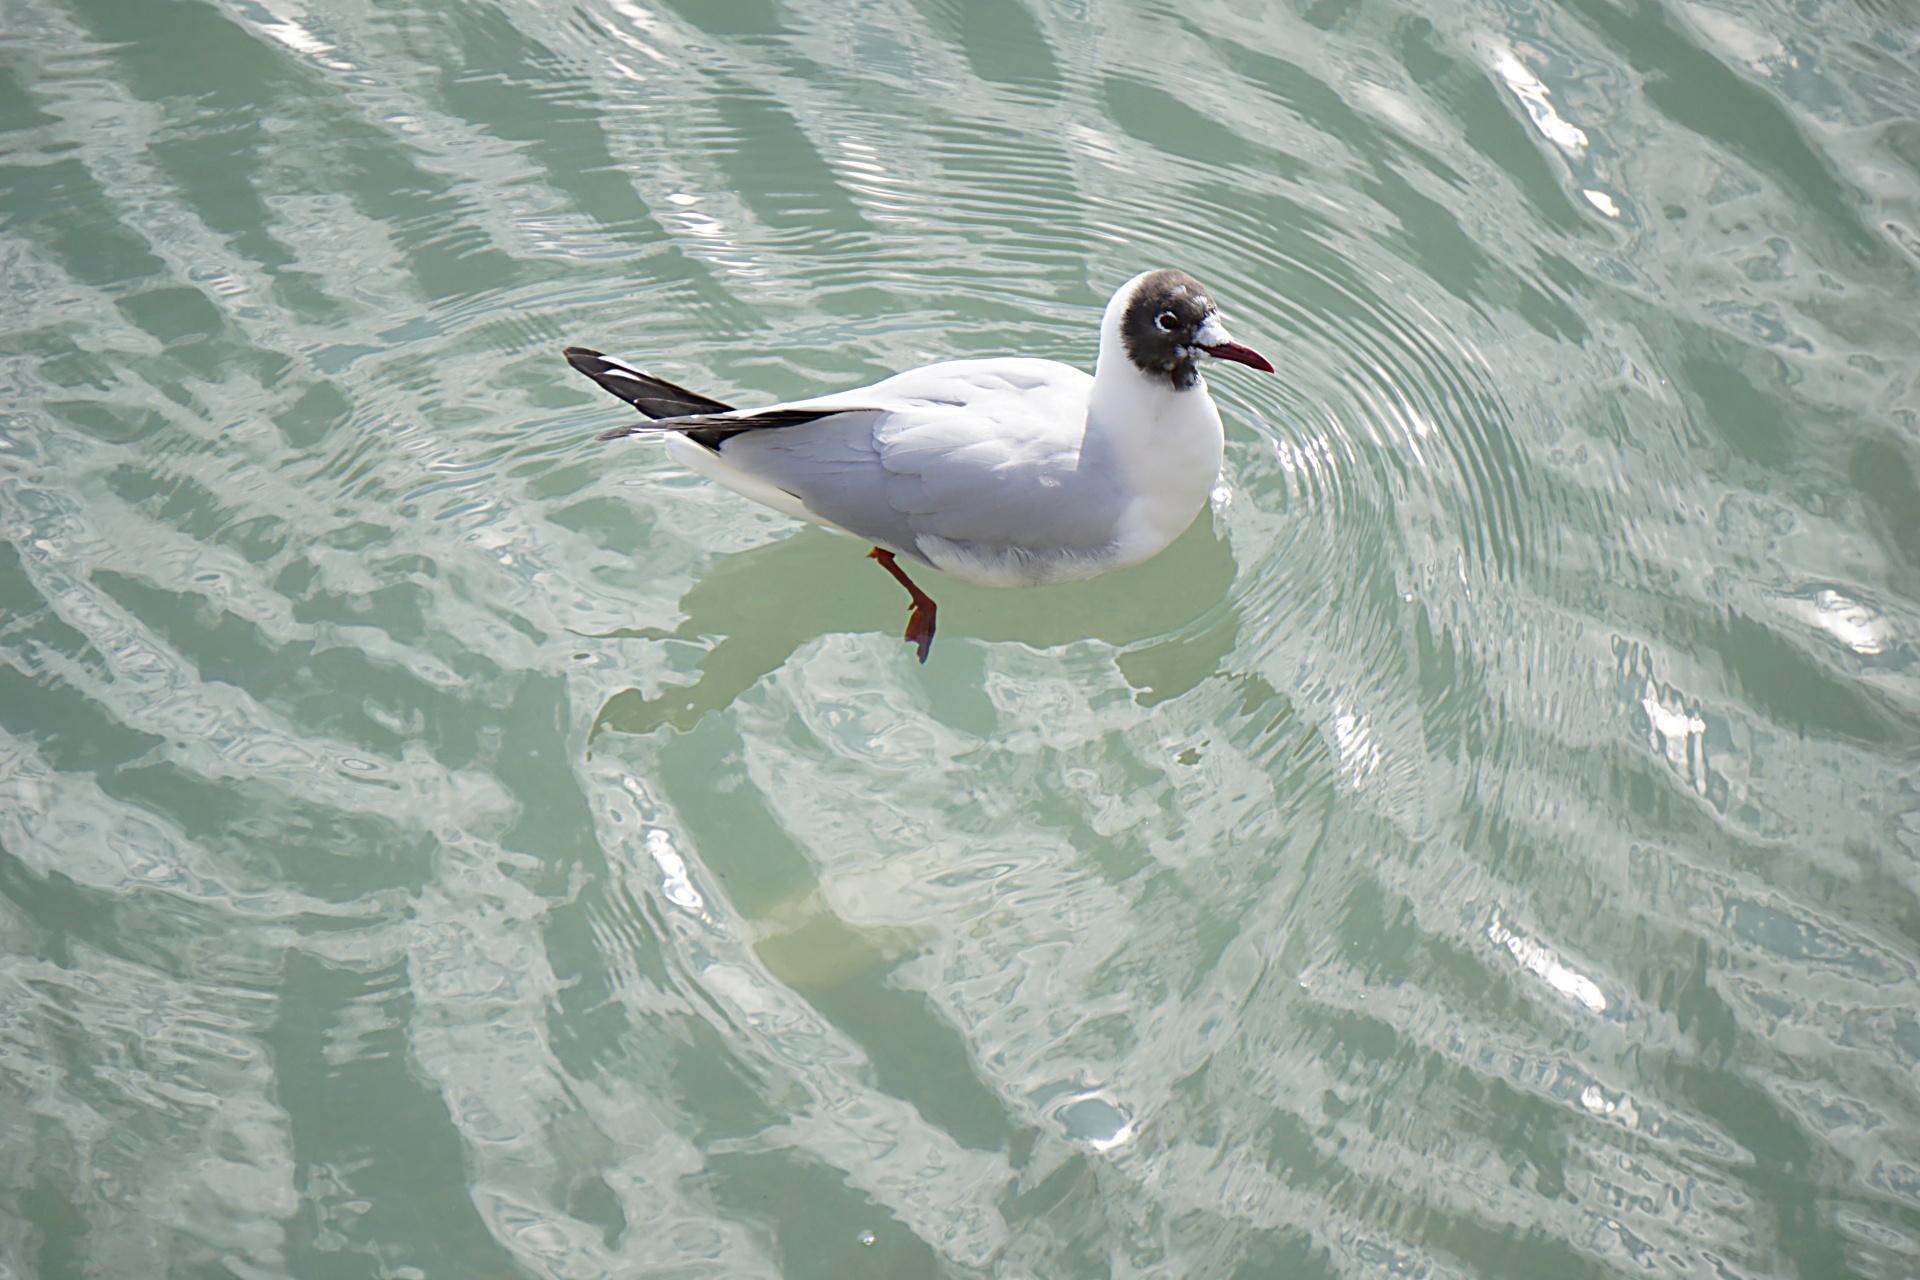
[[1165, 443], [1125, 394]]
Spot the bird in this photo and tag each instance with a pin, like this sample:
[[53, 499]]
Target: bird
[[1008, 471]]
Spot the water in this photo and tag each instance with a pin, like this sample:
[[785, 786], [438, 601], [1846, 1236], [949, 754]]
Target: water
[[433, 844]]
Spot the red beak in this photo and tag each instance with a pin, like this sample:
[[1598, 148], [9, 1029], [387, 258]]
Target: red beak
[[1239, 355]]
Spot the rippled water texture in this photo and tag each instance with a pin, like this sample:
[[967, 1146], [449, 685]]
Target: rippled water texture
[[433, 844]]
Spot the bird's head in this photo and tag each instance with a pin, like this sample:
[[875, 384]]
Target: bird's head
[[1168, 322]]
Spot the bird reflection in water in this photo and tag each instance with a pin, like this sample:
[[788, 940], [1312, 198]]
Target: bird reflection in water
[[1170, 618]]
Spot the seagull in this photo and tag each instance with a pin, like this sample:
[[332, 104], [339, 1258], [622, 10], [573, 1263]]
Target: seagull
[[1010, 471]]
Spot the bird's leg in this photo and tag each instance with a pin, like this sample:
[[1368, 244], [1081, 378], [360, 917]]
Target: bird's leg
[[920, 621]]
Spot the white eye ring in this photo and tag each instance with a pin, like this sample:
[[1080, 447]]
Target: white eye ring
[[1166, 322]]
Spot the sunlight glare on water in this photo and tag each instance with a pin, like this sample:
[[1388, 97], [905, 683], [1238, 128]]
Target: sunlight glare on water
[[436, 844]]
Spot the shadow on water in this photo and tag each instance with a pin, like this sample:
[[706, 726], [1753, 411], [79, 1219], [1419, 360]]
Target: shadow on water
[[766, 603]]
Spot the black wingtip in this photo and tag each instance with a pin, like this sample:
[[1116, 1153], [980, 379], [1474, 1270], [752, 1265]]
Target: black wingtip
[[621, 433], [655, 397]]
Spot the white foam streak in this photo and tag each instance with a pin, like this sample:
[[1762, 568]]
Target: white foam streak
[[1534, 97], [1540, 960]]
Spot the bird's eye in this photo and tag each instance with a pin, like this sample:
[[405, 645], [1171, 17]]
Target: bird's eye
[[1167, 321]]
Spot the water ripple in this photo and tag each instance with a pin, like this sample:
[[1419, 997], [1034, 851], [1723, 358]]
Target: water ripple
[[1488, 845]]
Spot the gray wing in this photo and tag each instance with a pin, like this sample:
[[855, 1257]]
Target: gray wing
[[830, 468], [979, 455], [993, 465]]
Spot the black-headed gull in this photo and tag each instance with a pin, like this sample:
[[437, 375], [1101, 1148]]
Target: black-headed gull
[[1005, 472]]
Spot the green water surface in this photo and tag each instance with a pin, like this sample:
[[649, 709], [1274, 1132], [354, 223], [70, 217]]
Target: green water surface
[[434, 844]]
